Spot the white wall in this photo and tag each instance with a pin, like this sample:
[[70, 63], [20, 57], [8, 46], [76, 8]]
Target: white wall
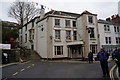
[[42, 38]]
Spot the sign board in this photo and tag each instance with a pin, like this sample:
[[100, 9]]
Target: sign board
[[5, 46]]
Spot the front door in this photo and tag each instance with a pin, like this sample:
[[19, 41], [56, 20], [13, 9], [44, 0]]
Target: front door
[[74, 51]]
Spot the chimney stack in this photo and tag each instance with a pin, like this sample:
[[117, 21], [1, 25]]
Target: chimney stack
[[42, 12]]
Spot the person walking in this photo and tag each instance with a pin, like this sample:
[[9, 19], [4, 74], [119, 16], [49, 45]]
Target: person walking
[[103, 57], [90, 57], [117, 59]]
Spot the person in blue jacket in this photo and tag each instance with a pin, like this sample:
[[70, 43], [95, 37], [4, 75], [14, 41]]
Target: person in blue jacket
[[90, 57], [103, 57], [117, 59]]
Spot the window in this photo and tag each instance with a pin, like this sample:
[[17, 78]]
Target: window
[[74, 35], [107, 28], [67, 22], [31, 34], [57, 22], [58, 50], [116, 29], [57, 34], [117, 40], [32, 47], [21, 39], [68, 35], [74, 23], [90, 19], [32, 23], [93, 48], [108, 40], [21, 30], [25, 38], [25, 27], [92, 33]]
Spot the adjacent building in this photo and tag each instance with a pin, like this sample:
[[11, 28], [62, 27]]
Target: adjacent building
[[109, 34]]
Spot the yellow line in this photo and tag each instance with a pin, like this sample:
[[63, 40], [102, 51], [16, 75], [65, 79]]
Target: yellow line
[[15, 73], [22, 70], [111, 72]]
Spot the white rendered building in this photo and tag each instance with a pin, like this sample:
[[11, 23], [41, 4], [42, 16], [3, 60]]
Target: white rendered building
[[53, 35]]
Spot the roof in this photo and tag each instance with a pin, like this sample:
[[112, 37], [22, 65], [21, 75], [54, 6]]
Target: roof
[[62, 12], [87, 12], [106, 22]]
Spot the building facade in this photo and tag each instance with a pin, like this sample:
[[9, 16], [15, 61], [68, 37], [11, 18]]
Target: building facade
[[109, 35], [53, 35]]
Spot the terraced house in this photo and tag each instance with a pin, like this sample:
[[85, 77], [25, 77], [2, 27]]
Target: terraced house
[[61, 35]]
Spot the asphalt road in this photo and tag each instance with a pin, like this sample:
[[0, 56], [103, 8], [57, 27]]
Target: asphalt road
[[44, 69]]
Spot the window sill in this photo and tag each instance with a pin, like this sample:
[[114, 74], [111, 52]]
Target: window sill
[[91, 23], [92, 39], [57, 26], [117, 32], [107, 32], [68, 27], [68, 40], [57, 40]]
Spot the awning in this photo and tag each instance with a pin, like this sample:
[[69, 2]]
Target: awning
[[75, 43]]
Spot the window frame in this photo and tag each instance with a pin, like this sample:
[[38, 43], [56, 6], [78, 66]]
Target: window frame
[[58, 52], [92, 33], [57, 22], [90, 19], [57, 35], [68, 35], [67, 23]]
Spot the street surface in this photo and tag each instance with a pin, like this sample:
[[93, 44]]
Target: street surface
[[46, 69]]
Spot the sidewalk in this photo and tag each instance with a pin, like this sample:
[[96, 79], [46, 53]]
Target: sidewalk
[[4, 65], [117, 74]]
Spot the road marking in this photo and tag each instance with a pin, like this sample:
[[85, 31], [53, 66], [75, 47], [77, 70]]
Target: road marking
[[15, 73], [28, 67], [111, 73], [33, 64], [22, 69]]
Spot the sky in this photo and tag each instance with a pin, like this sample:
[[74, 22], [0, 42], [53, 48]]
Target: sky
[[103, 8]]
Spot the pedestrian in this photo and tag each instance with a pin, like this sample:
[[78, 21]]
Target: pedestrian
[[117, 59], [113, 53], [90, 57], [103, 57]]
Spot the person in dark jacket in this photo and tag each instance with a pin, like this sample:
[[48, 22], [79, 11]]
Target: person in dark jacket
[[117, 59], [90, 57], [114, 52], [103, 57]]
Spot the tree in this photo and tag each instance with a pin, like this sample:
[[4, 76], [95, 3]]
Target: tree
[[23, 11], [7, 32]]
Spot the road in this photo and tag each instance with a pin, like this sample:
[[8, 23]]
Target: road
[[45, 69]]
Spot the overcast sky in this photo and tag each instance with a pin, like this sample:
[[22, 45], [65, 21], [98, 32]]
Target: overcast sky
[[103, 8]]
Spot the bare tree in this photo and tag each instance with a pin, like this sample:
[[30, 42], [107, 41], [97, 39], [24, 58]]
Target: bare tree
[[23, 11]]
